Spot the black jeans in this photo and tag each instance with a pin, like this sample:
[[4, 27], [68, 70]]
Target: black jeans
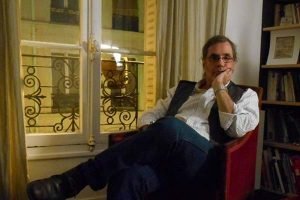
[[168, 153]]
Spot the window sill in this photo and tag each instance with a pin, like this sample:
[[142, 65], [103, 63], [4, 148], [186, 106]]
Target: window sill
[[65, 151]]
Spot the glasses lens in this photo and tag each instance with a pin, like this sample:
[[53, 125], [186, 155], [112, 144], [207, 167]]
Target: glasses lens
[[227, 59], [216, 58]]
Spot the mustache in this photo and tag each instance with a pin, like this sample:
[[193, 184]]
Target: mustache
[[220, 71], [223, 70]]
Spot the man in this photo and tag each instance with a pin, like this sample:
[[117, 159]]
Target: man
[[175, 147]]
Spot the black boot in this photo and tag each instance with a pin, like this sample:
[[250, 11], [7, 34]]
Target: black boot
[[57, 187]]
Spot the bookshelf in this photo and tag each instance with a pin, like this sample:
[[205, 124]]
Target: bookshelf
[[293, 147], [281, 100], [281, 66]]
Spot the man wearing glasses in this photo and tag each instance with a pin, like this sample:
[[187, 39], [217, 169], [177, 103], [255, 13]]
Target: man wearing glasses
[[175, 147]]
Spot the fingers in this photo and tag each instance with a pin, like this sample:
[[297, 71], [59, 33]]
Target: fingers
[[222, 78], [225, 76]]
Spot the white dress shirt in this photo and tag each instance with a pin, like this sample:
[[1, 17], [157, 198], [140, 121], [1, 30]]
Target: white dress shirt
[[195, 111]]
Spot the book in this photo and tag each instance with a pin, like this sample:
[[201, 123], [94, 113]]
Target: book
[[274, 176], [280, 170], [267, 173], [297, 7], [295, 163], [271, 89], [293, 127], [266, 195], [296, 84], [270, 126], [281, 131], [290, 179], [279, 176], [291, 87], [289, 15], [280, 92], [278, 14], [287, 92]]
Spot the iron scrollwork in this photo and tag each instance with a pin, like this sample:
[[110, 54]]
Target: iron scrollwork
[[52, 99], [119, 97]]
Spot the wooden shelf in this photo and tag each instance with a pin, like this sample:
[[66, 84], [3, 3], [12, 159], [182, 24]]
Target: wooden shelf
[[286, 1], [281, 103], [276, 28], [281, 117], [289, 195], [282, 66], [294, 147]]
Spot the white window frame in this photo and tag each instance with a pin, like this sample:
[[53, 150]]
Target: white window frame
[[90, 20], [51, 145]]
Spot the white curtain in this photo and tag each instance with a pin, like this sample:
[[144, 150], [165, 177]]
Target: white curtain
[[183, 28], [13, 170]]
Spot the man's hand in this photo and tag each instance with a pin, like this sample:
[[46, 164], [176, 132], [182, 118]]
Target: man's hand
[[224, 101], [222, 79]]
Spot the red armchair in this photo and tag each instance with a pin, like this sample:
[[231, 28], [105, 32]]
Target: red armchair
[[239, 167], [238, 162]]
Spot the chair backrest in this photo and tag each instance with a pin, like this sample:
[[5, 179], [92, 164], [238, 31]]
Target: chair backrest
[[257, 89]]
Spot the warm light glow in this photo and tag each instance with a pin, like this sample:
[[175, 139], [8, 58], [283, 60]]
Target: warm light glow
[[117, 57], [108, 46]]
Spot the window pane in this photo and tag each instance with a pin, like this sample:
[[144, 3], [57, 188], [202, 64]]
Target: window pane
[[51, 90], [50, 33], [123, 24], [55, 21], [122, 30], [125, 15], [65, 12], [120, 91], [126, 60]]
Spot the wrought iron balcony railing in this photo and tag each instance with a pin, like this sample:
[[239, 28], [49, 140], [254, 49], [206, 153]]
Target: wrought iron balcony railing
[[52, 94]]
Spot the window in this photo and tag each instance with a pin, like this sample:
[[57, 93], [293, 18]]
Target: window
[[51, 88], [121, 84], [69, 94], [65, 82], [125, 15], [65, 11]]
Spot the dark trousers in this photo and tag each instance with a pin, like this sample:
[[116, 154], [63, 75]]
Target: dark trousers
[[168, 153]]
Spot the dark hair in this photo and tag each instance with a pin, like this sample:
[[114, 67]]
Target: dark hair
[[218, 39]]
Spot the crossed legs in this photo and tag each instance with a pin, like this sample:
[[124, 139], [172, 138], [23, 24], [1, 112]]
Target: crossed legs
[[168, 151]]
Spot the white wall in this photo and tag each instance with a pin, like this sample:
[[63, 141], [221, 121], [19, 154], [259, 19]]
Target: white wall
[[243, 27]]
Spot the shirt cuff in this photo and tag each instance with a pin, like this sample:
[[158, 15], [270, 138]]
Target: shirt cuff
[[226, 119]]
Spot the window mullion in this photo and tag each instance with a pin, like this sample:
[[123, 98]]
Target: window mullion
[[93, 72]]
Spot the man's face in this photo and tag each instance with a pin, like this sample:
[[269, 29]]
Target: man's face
[[219, 58]]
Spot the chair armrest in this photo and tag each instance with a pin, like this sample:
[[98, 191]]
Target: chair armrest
[[116, 137], [237, 143], [240, 163]]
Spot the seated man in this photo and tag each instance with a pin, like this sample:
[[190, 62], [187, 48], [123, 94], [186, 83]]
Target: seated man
[[175, 146]]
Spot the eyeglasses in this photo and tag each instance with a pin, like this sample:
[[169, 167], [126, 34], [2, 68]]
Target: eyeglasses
[[216, 58]]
